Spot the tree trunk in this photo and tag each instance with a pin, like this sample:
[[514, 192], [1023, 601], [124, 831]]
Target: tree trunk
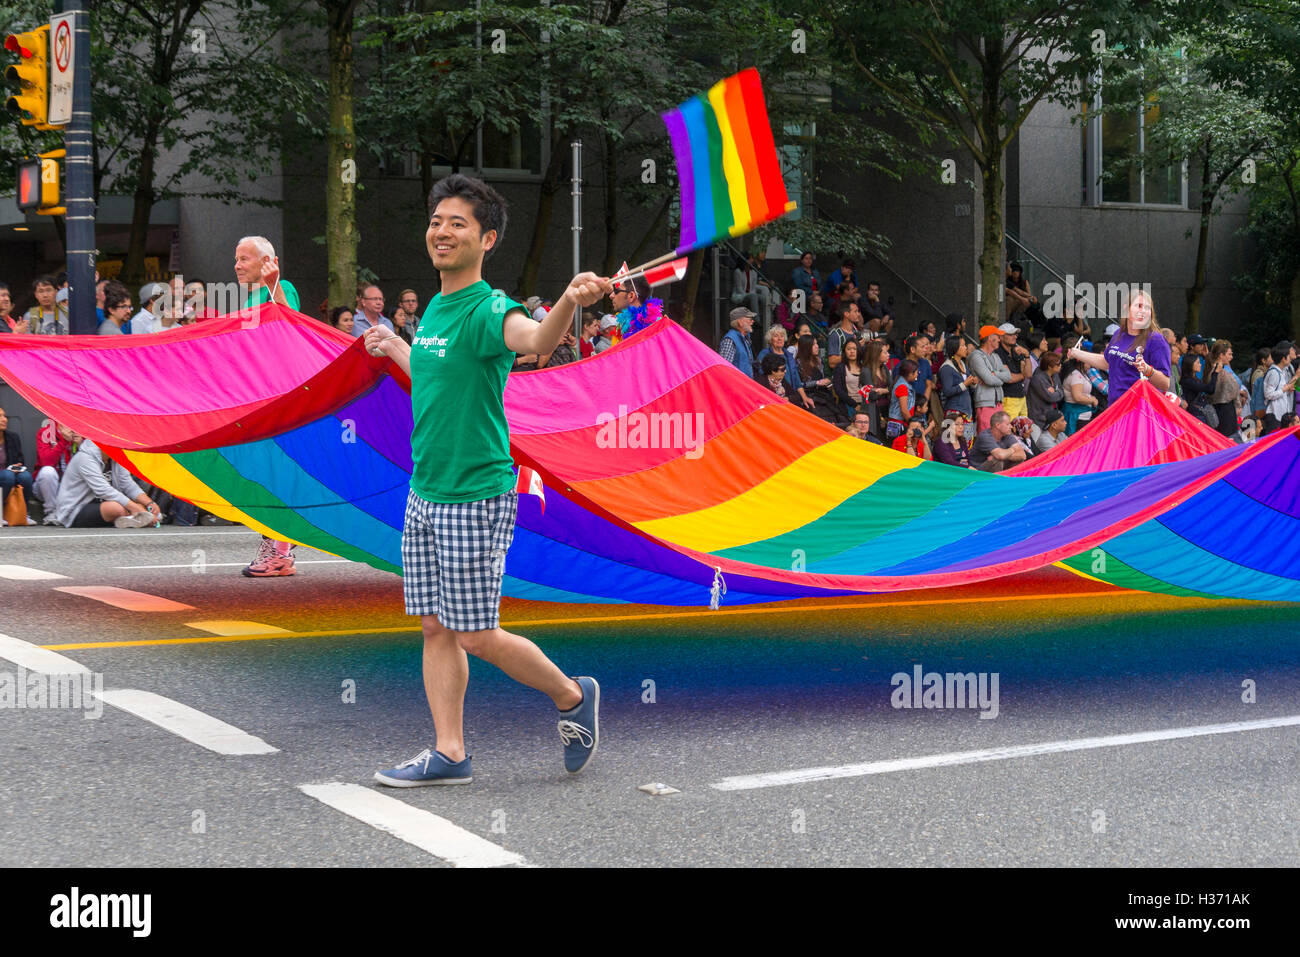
[[341, 235], [1197, 289], [542, 221], [992, 270], [993, 247], [132, 274], [694, 270]]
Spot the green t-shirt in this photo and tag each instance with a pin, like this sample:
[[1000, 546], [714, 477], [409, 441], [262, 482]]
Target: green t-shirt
[[460, 443], [264, 295]]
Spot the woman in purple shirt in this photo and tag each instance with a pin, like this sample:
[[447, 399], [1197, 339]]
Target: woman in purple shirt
[[1138, 350]]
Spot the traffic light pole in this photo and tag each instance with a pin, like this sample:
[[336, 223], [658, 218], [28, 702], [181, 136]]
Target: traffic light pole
[[79, 187]]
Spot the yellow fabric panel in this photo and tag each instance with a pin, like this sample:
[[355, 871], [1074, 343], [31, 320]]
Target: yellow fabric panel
[[800, 493], [164, 471]]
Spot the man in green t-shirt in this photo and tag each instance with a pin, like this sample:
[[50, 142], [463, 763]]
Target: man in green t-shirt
[[460, 512], [258, 270]]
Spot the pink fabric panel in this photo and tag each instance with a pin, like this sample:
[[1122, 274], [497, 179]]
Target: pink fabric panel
[[637, 371], [176, 373]]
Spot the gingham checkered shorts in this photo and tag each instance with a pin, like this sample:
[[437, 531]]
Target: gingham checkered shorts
[[453, 558]]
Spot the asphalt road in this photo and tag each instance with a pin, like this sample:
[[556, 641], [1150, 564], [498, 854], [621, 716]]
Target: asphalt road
[[693, 700]]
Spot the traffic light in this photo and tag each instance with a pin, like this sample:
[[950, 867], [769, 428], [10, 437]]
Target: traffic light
[[38, 184], [32, 75]]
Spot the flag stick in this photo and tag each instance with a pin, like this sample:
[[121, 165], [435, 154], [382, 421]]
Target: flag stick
[[637, 271]]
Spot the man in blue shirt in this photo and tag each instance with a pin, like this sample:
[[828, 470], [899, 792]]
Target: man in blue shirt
[[845, 272], [370, 311]]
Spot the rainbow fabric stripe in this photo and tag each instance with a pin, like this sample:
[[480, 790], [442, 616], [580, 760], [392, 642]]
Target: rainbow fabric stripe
[[727, 168], [665, 469]]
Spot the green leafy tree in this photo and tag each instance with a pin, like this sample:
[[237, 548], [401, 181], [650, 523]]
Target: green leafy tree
[[189, 97], [1257, 52], [970, 72], [1188, 115]]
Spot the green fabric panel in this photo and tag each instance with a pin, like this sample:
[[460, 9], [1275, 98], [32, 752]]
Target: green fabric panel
[[723, 215], [878, 510], [1126, 576], [250, 497]]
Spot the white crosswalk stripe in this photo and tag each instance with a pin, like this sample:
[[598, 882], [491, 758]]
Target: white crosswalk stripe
[[429, 832]]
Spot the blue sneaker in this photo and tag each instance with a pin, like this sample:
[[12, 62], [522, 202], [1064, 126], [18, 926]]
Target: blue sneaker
[[427, 767], [580, 727]]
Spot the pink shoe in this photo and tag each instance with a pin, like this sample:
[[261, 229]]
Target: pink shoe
[[269, 563]]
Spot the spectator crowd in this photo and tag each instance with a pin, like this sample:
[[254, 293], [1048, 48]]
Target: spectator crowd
[[986, 398]]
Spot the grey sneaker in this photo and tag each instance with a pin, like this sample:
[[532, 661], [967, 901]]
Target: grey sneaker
[[138, 520]]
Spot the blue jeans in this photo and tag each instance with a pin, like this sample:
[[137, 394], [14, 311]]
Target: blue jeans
[[9, 479]]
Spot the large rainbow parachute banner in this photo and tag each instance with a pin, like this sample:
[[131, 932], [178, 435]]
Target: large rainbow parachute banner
[[665, 468]]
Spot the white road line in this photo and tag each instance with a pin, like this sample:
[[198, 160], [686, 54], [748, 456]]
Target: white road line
[[61, 535], [300, 561], [189, 723], [35, 658], [233, 627], [747, 782], [22, 573], [430, 833], [125, 598]]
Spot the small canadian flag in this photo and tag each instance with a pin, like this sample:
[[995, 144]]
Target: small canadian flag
[[530, 483], [622, 271]]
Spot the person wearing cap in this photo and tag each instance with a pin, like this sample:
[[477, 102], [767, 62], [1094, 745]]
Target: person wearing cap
[[1016, 357], [48, 317], [605, 337], [1051, 433], [993, 374], [145, 321], [1136, 351], [736, 347]]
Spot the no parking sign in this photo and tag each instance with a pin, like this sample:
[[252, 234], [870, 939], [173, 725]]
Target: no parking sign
[[61, 39]]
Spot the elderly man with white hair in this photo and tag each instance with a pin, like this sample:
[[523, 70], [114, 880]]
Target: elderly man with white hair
[[258, 269]]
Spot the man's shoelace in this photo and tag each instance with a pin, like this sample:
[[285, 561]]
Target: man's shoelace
[[426, 756], [571, 731]]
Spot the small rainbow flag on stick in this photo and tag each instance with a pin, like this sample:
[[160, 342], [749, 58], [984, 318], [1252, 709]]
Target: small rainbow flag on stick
[[727, 166]]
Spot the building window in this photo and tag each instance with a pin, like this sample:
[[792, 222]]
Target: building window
[[1115, 142]]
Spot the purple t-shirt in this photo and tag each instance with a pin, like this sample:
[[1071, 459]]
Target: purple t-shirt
[[1120, 356]]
